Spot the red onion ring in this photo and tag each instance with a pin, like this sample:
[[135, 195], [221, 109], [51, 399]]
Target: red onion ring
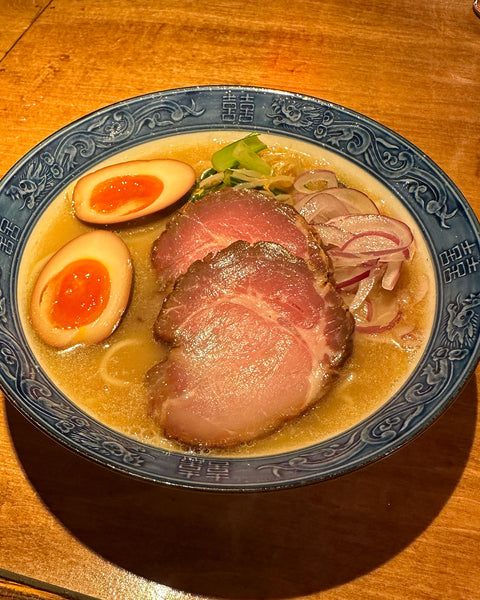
[[364, 247], [379, 328], [354, 200], [331, 235], [321, 207], [314, 178], [391, 275], [351, 277], [369, 241], [358, 223]]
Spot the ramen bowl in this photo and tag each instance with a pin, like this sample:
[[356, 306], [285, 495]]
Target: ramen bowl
[[447, 226]]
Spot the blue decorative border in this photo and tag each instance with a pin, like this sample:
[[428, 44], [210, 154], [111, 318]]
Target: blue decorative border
[[450, 227]]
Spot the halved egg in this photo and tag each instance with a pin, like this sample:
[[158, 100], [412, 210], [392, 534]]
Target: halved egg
[[130, 190], [82, 291]]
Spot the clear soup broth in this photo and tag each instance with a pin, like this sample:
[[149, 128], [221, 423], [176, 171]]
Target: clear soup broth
[[107, 379]]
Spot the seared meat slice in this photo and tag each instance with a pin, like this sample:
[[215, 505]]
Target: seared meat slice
[[256, 336], [223, 217]]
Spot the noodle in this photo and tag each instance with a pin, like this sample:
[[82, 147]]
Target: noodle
[[107, 357]]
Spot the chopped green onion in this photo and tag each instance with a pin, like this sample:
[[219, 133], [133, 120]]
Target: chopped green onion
[[248, 159], [207, 173], [225, 157]]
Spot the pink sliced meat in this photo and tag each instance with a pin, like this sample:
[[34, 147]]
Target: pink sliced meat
[[225, 216], [256, 336]]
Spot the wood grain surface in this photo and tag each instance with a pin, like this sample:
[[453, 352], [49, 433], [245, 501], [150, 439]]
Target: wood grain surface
[[405, 528]]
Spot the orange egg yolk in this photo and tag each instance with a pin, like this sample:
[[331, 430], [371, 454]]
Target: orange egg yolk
[[79, 293], [125, 193]]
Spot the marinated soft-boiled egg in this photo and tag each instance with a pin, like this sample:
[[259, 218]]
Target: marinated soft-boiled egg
[[82, 291], [130, 190]]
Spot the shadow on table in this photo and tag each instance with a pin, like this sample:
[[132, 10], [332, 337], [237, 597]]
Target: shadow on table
[[271, 545]]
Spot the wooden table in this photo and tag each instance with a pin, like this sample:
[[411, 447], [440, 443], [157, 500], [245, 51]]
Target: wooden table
[[406, 528]]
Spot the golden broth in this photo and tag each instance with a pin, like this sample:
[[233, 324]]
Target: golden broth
[[107, 380]]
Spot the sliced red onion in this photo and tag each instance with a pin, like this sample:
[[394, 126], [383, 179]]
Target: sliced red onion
[[365, 287], [364, 249], [347, 277], [314, 181], [379, 328], [388, 225], [332, 236], [392, 274], [332, 202], [370, 235], [299, 199], [322, 207], [341, 260], [372, 241], [352, 259], [383, 314], [355, 200]]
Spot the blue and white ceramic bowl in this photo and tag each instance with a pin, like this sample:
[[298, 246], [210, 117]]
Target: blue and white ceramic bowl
[[449, 226]]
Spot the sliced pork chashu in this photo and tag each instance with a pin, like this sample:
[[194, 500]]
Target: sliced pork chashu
[[256, 335], [223, 217]]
